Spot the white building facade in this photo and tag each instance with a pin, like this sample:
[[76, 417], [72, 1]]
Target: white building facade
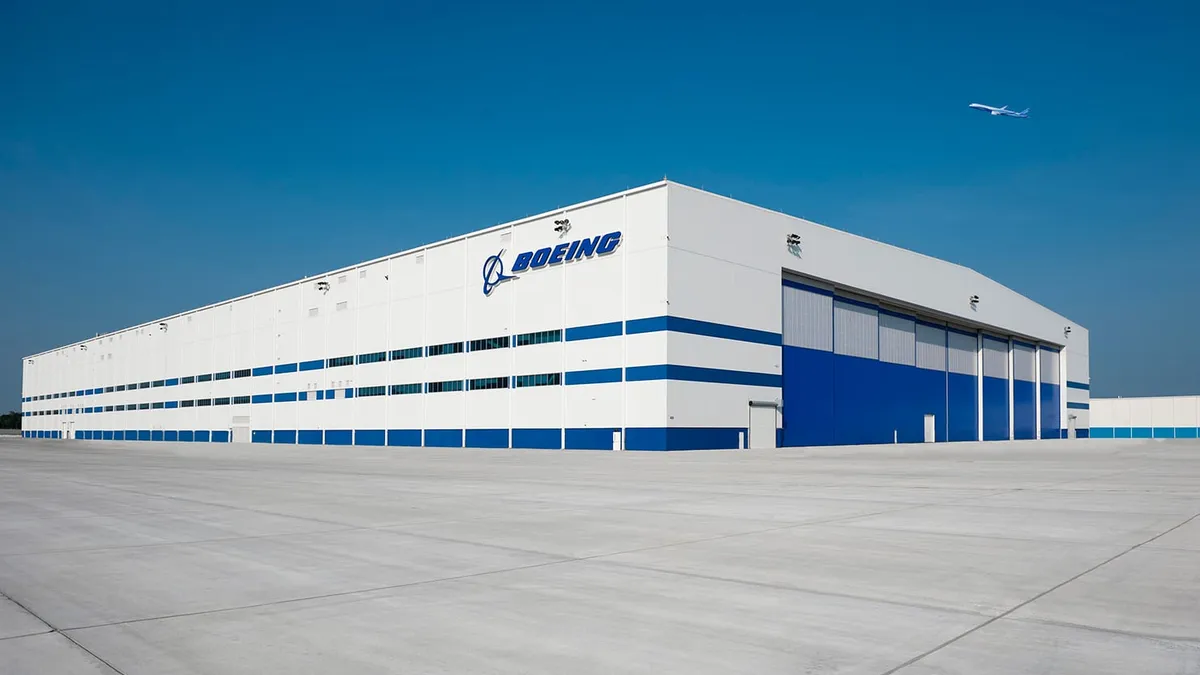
[[1146, 417], [660, 318]]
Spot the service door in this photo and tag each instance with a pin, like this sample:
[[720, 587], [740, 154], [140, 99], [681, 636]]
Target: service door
[[762, 424]]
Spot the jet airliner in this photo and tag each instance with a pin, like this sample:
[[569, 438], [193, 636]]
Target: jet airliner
[[1002, 110]]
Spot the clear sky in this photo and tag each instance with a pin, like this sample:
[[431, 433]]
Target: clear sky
[[155, 157]]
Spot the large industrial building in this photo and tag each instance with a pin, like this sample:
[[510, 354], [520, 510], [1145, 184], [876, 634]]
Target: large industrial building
[[660, 318]]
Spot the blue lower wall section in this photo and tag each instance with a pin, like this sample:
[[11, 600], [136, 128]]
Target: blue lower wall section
[[443, 438], [589, 438], [410, 438], [284, 437], [831, 399], [682, 438], [807, 400], [1140, 432], [1051, 424], [962, 402], [339, 437], [487, 438], [309, 437], [220, 437], [370, 437], [540, 439], [995, 409], [260, 436], [1024, 410]]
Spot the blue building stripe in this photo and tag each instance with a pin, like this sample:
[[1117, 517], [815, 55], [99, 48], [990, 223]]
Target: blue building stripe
[[1078, 385], [286, 397], [285, 368], [262, 370], [598, 330], [317, 364], [172, 382], [261, 398], [1077, 406], [698, 374], [597, 376], [678, 324], [540, 439]]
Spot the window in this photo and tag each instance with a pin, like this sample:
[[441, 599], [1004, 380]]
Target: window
[[448, 348], [56, 396], [156, 406], [158, 383], [120, 387], [204, 378], [186, 404], [143, 406], [71, 394], [541, 380], [221, 376], [108, 408], [119, 408], [449, 385], [201, 402], [132, 386], [540, 337], [372, 391], [410, 353], [489, 343], [398, 389], [489, 383], [221, 401], [187, 380], [340, 361], [239, 400], [144, 385], [375, 357], [241, 373], [108, 390]]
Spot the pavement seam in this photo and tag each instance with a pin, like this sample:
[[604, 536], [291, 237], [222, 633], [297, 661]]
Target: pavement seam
[[1035, 598], [1110, 631], [54, 630], [16, 637]]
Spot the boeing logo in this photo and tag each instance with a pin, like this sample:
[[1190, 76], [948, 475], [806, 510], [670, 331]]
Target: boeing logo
[[493, 267]]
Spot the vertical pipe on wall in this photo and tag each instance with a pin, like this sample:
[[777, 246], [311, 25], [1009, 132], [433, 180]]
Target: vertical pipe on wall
[[1011, 396], [1037, 392], [979, 385]]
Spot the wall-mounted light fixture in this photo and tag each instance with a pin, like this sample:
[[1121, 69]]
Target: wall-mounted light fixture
[[793, 244], [162, 326], [974, 302], [323, 286], [83, 347], [1066, 331], [562, 226]]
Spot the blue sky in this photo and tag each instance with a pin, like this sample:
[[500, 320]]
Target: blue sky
[[155, 157]]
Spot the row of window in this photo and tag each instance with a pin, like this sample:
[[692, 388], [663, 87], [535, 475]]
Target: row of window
[[477, 384], [503, 342]]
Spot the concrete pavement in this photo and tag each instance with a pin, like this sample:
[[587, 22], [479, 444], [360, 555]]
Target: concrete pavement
[[161, 558]]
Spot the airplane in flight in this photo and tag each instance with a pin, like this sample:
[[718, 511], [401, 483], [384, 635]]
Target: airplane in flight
[[1002, 110]]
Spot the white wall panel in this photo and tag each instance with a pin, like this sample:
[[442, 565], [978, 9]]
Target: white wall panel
[[486, 409], [537, 407], [596, 289], [593, 405], [709, 352]]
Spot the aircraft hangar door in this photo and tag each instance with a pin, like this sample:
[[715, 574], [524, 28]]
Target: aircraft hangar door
[[1024, 391]]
